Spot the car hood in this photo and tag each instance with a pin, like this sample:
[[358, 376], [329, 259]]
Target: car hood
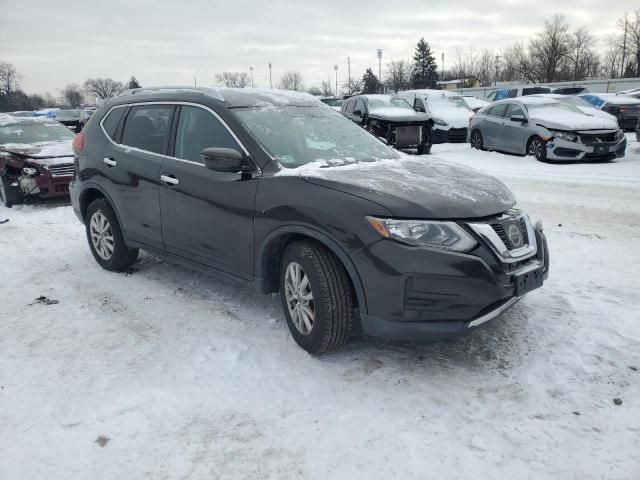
[[598, 113], [417, 187], [398, 115], [455, 117], [40, 150], [571, 121]]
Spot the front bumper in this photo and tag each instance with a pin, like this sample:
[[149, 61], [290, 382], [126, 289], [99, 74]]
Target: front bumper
[[449, 135], [564, 150], [415, 293]]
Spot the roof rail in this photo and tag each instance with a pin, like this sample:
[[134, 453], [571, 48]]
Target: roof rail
[[209, 91]]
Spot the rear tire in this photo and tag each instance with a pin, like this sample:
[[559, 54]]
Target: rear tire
[[316, 297], [537, 148], [105, 237], [477, 141]]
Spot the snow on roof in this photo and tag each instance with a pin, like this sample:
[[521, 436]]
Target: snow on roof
[[6, 119], [451, 82], [616, 99], [533, 100]]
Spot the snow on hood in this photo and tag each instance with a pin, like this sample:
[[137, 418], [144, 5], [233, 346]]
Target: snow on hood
[[392, 112], [566, 120], [456, 117], [40, 150], [598, 113], [415, 187]]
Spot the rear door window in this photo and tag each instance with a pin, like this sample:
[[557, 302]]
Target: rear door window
[[147, 127], [199, 129], [111, 121], [513, 93]]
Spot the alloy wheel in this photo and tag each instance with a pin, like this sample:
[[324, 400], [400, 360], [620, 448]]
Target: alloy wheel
[[101, 235], [536, 149], [299, 298], [476, 140]]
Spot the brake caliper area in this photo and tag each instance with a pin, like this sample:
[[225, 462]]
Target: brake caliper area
[[27, 181]]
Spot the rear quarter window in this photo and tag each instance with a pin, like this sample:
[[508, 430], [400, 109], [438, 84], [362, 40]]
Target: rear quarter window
[[111, 121]]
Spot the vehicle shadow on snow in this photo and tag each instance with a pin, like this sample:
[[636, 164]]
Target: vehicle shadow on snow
[[496, 346]]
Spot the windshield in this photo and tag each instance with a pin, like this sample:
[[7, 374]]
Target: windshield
[[68, 115], [296, 136], [449, 101], [34, 132], [555, 106], [578, 102], [332, 102], [376, 103]]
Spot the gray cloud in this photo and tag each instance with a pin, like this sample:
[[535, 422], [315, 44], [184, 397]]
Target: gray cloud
[[165, 42]]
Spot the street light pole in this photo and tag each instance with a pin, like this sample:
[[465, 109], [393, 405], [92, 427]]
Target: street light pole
[[335, 67], [251, 70], [497, 61], [270, 82], [380, 68], [349, 75]]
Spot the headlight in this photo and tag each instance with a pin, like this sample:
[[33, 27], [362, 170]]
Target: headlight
[[569, 136], [619, 134], [438, 121], [443, 235]]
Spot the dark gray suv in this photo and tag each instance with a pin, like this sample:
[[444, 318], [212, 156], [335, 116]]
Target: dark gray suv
[[279, 191]]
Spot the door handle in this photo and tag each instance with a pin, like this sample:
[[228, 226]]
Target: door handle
[[109, 161], [170, 179]]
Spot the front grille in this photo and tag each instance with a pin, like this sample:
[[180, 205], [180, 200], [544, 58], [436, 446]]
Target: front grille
[[512, 232], [589, 138], [65, 170]]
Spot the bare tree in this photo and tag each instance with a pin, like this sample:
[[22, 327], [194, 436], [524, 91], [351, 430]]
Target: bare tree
[[581, 53], [291, 81], [398, 75], [612, 58], [72, 95], [633, 39], [9, 78], [103, 88], [233, 79], [550, 48], [315, 91], [325, 88]]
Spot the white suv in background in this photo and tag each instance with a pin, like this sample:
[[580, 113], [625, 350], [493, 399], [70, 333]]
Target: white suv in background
[[449, 113]]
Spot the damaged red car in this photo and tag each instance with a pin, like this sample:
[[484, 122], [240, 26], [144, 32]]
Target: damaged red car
[[36, 159]]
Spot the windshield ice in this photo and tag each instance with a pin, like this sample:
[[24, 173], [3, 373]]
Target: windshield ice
[[449, 101], [376, 103], [296, 136], [34, 132]]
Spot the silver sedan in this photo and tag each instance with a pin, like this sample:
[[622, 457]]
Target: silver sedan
[[546, 129]]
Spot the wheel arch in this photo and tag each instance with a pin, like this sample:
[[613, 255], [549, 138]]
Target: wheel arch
[[93, 192], [268, 259]]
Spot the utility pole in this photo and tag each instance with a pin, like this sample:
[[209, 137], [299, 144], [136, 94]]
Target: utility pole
[[624, 47], [380, 68], [349, 75], [270, 82], [497, 61], [335, 67], [251, 70], [442, 66], [195, 82]]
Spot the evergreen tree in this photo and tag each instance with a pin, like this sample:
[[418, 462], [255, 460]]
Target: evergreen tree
[[133, 83], [370, 83], [425, 69]]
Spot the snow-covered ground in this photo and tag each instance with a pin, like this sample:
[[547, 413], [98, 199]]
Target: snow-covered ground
[[165, 373]]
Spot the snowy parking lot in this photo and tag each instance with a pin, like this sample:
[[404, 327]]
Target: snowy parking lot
[[166, 373]]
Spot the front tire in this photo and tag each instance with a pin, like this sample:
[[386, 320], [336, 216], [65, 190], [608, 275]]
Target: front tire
[[316, 297], [477, 141], [9, 195], [537, 148], [105, 237]]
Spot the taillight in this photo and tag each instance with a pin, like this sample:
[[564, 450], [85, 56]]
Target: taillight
[[78, 143]]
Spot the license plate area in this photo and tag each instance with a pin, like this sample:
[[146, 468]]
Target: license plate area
[[407, 136], [527, 281], [601, 149]]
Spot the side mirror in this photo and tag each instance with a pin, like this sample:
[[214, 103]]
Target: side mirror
[[518, 118], [224, 160], [357, 113]]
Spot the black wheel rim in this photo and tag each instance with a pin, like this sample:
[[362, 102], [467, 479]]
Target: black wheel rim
[[475, 140]]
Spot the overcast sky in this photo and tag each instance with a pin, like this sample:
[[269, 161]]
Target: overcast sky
[[167, 42]]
